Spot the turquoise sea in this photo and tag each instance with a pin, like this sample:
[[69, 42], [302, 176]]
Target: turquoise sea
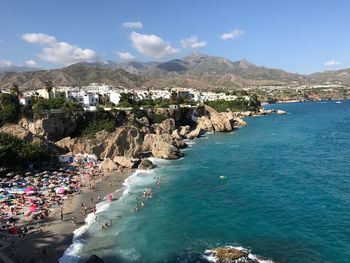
[[286, 195]]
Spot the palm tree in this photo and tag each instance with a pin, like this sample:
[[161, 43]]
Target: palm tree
[[15, 91], [48, 86]]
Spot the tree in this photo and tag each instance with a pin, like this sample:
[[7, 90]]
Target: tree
[[15, 90], [126, 100], [48, 85], [9, 108], [14, 152]]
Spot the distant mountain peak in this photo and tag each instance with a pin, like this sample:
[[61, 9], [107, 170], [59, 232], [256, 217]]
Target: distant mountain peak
[[195, 55], [244, 64]]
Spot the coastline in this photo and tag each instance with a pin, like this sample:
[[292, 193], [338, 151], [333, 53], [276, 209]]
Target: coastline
[[57, 235]]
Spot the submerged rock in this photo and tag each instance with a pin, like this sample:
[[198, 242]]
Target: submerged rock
[[229, 254], [281, 112], [233, 255], [94, 259]]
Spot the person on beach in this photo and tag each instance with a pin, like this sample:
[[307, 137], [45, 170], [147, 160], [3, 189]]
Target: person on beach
[[44, 251], [94, 210], [99, 198], [92, 200], [61, 215], [110, 184]]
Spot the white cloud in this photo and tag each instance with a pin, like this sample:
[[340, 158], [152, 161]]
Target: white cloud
[[59, 52], [30, 63], [39, 38], [233, 34], [192, 42], [152, 45], [125, 55], [332, 63], [5, 63], [132, 25]]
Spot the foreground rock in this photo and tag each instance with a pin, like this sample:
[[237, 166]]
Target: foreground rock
[[108, 165], [127, 162]]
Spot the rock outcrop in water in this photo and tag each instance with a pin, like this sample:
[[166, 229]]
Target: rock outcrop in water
[[210, 120], [232, 255]]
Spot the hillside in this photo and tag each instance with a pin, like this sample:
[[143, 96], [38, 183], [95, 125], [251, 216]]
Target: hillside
[[196, 70], [75, 75]]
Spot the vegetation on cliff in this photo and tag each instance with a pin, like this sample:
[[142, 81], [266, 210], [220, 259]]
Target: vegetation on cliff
[[239, 104], [14, 151], [9, 108], [40, 105]]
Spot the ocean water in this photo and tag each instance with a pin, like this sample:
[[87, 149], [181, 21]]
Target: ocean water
[[285, 196]]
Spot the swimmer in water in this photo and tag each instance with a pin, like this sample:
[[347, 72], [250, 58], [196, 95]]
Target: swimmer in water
[[142, 204]]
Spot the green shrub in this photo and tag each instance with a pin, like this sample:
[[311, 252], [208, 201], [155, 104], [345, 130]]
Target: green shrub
[[9, 108], [96, 126], [14, 152], [239, 104]]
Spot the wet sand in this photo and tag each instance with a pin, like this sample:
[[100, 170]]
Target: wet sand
[[56, 235]]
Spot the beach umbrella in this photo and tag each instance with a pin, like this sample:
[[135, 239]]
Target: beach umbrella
[[30, 190], [109, 197], [33, 208], [60, 190], [14, 230]]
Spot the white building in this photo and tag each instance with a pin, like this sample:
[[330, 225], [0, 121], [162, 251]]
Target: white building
[[114, 97], [90, 99], [25, 100]]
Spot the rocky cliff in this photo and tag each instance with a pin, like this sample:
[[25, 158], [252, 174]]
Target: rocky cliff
[[161, 140], [52, 126], [158, 133]]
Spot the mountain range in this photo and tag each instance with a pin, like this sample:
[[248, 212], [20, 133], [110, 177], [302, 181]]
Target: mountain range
[[196, 70]]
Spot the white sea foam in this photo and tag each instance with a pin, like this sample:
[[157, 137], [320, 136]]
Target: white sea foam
[[71, 255]]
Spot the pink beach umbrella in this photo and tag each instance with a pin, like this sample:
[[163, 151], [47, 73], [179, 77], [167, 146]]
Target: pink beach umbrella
[[109, 197], [33, 208], [61, 190], [30, 190]]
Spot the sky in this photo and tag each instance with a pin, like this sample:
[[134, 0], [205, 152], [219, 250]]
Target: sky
[[301, 36]]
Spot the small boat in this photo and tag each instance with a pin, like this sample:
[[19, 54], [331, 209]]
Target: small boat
[[222, 177], [338, 102]]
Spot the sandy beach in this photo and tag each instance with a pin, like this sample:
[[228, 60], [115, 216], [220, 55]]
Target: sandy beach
[[55, 234]]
